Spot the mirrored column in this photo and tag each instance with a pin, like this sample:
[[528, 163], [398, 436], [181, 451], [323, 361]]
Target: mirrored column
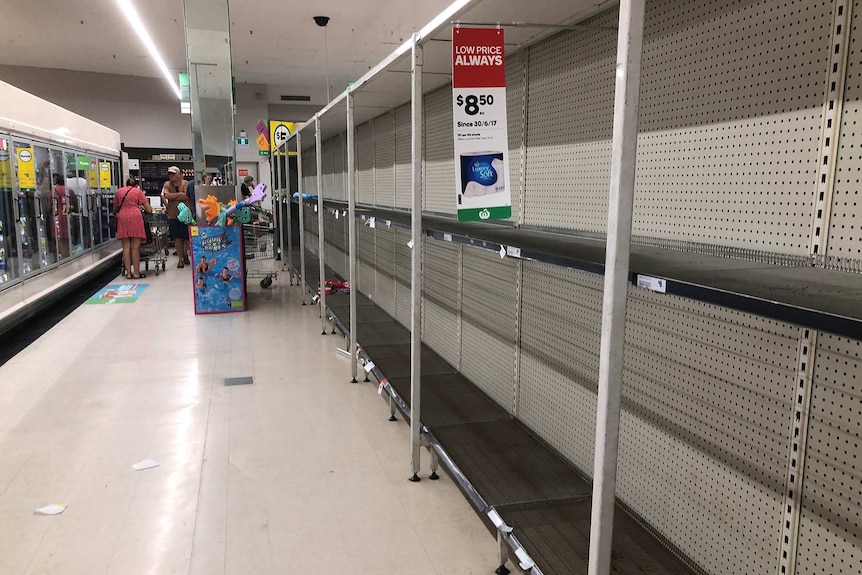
[[211, 85]]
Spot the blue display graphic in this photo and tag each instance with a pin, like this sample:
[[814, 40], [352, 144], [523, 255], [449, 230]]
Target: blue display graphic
[[219, 269], [482, 168]]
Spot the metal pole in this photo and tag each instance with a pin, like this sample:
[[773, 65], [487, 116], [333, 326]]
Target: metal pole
[[416, 262], [321, 245], [289, 216], [278, 205], [623, 156], [351, 227], [301, 190]]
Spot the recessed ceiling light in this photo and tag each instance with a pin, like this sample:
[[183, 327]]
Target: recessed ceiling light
[[138, 26]]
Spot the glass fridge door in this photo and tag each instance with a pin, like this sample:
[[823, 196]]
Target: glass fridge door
[[28, 206], [60, 205], [76, 204], [10, 269], [45, 207]]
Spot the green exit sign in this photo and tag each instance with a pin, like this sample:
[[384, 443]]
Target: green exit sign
[[242, 141]]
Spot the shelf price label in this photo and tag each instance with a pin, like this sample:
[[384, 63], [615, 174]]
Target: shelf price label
[[482, 187], [652, 284]]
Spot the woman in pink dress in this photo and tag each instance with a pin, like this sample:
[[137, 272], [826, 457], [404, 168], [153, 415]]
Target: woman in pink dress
[[128, 203]]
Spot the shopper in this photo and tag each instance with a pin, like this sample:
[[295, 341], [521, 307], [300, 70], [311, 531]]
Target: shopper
[[64, 204], [175, 192], [247, 187], [128, 202], [78, 186], [208, 180]]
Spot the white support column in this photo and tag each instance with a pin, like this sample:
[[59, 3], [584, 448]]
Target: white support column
[[351, 227], [301, 190], [623, 156], [416, 263], [321, 241]]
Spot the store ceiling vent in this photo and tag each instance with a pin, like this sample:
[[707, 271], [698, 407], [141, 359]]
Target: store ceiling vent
[[296, 98]]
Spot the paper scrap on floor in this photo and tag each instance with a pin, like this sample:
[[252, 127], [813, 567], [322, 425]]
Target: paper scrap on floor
[[145, 464], [53, 509]]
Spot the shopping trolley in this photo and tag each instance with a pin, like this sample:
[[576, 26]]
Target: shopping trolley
[[156, 250], [259, 246]]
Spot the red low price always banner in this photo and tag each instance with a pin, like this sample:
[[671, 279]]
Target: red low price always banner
[[478, 58]]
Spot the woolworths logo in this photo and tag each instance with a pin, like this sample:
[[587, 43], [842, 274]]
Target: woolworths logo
[[484, 214]]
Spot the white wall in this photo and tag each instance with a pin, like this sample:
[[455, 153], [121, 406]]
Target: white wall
[[143, 110], [251, 107]]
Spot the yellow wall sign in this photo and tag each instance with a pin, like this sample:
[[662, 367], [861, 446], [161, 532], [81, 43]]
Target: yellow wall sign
[[278, 134], [26, 169], [105, 174], [93, 175], [5, 170], [262, 145]]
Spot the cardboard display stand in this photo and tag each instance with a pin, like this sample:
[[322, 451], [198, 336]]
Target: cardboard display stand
[[218, 279]]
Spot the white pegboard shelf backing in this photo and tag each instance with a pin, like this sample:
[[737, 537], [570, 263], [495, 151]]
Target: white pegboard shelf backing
[[403, 164], [727, 155], [385, 254], [713, 389], [309, 173], [365, 163], [367, 269], [441, 305], [569, 122], [402, 276], [384, 160], [488, 324], [439, 168], [830, 529], [516, 112], [844, 247], [560, 324]]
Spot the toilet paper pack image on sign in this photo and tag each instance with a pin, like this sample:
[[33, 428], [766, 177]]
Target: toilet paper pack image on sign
[[483, 191], [482, 174]]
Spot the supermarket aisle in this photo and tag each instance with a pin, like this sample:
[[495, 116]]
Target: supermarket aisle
[[298, 473]]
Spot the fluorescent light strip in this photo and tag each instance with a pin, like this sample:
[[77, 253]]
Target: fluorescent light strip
[[141, 30]]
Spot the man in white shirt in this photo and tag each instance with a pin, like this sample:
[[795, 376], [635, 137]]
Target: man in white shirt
[[77, 185]]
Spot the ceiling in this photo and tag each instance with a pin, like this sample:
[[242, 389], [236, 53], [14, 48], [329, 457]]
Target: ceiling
[[276, 44], [273, 43]]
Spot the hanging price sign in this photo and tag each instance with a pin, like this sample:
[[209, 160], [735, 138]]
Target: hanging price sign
[[479, 116]]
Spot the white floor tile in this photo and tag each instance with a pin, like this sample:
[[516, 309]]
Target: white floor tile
[[300, 472]]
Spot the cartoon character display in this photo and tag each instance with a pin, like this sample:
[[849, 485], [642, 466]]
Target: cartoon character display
[[256, 197], [212, 207], [186, 216], [234, 212]]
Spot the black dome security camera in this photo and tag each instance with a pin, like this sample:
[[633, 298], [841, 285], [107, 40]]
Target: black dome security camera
[[321, 20]]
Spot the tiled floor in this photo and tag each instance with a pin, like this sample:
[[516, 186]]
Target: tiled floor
[[298, 473]]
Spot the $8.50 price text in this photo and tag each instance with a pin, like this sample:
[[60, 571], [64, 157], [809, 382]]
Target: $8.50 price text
[[473, 103]]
